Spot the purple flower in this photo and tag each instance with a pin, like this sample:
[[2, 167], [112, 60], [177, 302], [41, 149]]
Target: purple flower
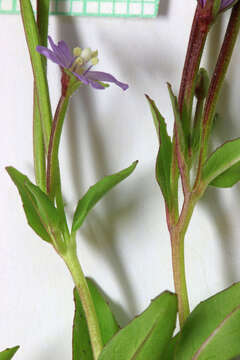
[[77, 63], [224, 3]]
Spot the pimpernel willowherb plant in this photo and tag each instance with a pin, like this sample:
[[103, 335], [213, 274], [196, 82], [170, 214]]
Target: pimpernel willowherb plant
[[212, 329]]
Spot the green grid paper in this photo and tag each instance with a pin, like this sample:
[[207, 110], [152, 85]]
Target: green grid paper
[[114, 8]]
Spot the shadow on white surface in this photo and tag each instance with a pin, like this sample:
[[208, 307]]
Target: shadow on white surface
[[163, 7]]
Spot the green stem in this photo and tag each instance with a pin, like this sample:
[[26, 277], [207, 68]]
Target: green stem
[[53, 171], [38, 146], [217, 82], [53, 178], [180, 285], [177, 234], [74, 266]]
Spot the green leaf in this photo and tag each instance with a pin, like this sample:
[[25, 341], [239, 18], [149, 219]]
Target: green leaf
[[145, 337], [212, 330], [170, 349], [38, 139], [216, 7], [46, 208], [41, 214], [33, 39], [183, 130], [42, 20], [96, 192], [8, 353], [222, 159], [29, 203], [164, 158], [228, 178], [108, 326]]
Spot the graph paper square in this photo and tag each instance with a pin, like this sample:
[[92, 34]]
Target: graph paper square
[[114, 8], [6, 5]]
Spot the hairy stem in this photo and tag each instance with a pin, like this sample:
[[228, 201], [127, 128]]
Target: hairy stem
[[74, 266]]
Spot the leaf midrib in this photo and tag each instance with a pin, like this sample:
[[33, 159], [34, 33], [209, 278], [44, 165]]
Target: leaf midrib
[[214, 333]]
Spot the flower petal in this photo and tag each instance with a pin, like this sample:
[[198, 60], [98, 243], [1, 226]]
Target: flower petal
[[62, 52], [65, 49], [65, 52], [96, 85], [102, 76], [86, 81], [61, 55], [49, 55], [82, 78]]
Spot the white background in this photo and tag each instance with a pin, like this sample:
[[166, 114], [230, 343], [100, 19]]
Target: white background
[[124, 243]]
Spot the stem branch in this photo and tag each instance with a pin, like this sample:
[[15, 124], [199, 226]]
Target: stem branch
[[217, 82]]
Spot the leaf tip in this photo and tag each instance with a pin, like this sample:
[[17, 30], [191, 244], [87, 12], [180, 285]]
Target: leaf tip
[[169, 86], [135, 163], [8, 169]]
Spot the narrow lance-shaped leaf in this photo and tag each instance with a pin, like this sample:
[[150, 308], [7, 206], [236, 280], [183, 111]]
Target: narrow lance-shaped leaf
[[212, 330], [8, 353], [164, 158], [108, 326], [38, 139], [32, 38], [147, 335], [182, 135], [42, 20], [96, 192], [41, 214], [50, 216], [221, 160], [29, 203]]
